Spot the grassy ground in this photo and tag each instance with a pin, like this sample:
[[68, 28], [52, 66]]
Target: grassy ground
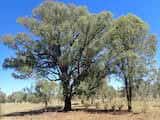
[[26, 111]]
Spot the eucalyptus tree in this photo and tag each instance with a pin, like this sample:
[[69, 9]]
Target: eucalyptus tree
[[134, 50], [63, 44]]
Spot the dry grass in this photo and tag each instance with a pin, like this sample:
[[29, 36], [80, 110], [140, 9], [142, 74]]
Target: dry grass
[[142, 111], [17, 107]]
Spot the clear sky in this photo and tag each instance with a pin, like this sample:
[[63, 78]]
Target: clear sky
[[148, 10]]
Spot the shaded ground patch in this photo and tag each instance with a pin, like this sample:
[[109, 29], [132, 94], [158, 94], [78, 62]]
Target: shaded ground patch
[[34, 112]]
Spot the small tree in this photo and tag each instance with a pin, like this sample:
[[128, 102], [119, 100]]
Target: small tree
[[106, 91], [134, 50], [2, 97], [45, 90]]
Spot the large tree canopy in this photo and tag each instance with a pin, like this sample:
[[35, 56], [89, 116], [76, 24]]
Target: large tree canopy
[[66, 43]]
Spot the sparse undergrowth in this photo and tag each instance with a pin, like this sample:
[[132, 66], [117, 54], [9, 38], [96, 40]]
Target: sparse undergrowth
[[104, 112]]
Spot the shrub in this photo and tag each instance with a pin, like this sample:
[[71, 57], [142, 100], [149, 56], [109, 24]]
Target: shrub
[[106, 106], [145, 107], [86, 105], [120, 106], [97, 105], [113, 107]]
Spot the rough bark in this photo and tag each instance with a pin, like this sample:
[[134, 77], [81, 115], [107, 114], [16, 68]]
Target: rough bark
[[67, 91], [46, 105], [128, 89], [130, 97], [67, 103]]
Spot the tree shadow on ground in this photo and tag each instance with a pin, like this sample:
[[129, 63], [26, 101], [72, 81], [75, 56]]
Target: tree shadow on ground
[[34, 112], [59, 109], [94, 111]]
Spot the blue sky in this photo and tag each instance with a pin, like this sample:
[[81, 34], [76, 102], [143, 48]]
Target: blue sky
[[148, 10]]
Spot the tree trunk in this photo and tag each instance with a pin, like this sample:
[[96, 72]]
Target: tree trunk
[[130, 97], [128, 89], [129, 106], [67, 92], [92, 100], [67, 89], [67, 103], [46, 106], [129, 100], [103, 99]]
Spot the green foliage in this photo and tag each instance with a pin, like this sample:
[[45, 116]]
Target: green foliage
[[17, 97], [2, 97], [45, 90], [71, 45], [32, 98], [66, 42], [89, 87], [133, 51]]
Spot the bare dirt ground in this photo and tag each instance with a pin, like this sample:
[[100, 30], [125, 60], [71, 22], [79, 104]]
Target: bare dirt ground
[[86, 116], [33, 112]]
